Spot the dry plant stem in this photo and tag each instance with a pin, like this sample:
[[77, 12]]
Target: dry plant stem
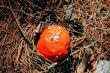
[[52, 65], [19, 51], [17, 10], [33, 4], [21, 30], [36, 71], [83, 63], [104, 29], [102, 54], [78, 32], [12, 51], [83, 4], [37, 30], [80, 41], [60, 19], [28, 61], [9, 42], [59, 4], [84, 47], [4, 39]]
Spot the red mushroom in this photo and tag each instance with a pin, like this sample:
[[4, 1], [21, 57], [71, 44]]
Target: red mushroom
[[53, 43]]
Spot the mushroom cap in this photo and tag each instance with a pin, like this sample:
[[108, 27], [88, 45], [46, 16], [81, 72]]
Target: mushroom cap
[[53, 43]]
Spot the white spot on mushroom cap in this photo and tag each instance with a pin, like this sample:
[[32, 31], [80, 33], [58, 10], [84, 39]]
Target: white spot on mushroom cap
[[60, 53], [57, 57], [56, 34]]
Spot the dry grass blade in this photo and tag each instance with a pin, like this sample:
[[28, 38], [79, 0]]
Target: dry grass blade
[[36, 71], [21, 30], [37, 30], [80, 40], [52, 65], [83, 63], [84, 47], [19, 51], [33, 4], [59, 4], [17, 10]]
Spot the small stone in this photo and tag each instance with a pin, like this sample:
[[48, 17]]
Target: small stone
[[103, 67], [68, 12]]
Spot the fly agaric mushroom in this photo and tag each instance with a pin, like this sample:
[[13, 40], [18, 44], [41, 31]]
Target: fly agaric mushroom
[[53, 43]]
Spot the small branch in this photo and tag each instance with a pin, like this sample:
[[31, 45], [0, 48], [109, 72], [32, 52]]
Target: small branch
[[19, 51], [80, 41], [104, 29], [37, 30], [17, 10], [6, 43], [83, 63], [84, 47], [32, 4], [21, 30], [52, 65], [59, 4]]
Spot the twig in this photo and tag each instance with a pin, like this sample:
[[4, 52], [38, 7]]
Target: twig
[[19, 51], [21, 30], [52, 65], [83, 63], [73, 30], [6, 43], [37, 30], [80, 41], [32, 4], [84, 47], [104, 29], [17, 10], [59, 4]]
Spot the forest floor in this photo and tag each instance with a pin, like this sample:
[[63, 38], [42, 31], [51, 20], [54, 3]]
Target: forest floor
[[88, 25]]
